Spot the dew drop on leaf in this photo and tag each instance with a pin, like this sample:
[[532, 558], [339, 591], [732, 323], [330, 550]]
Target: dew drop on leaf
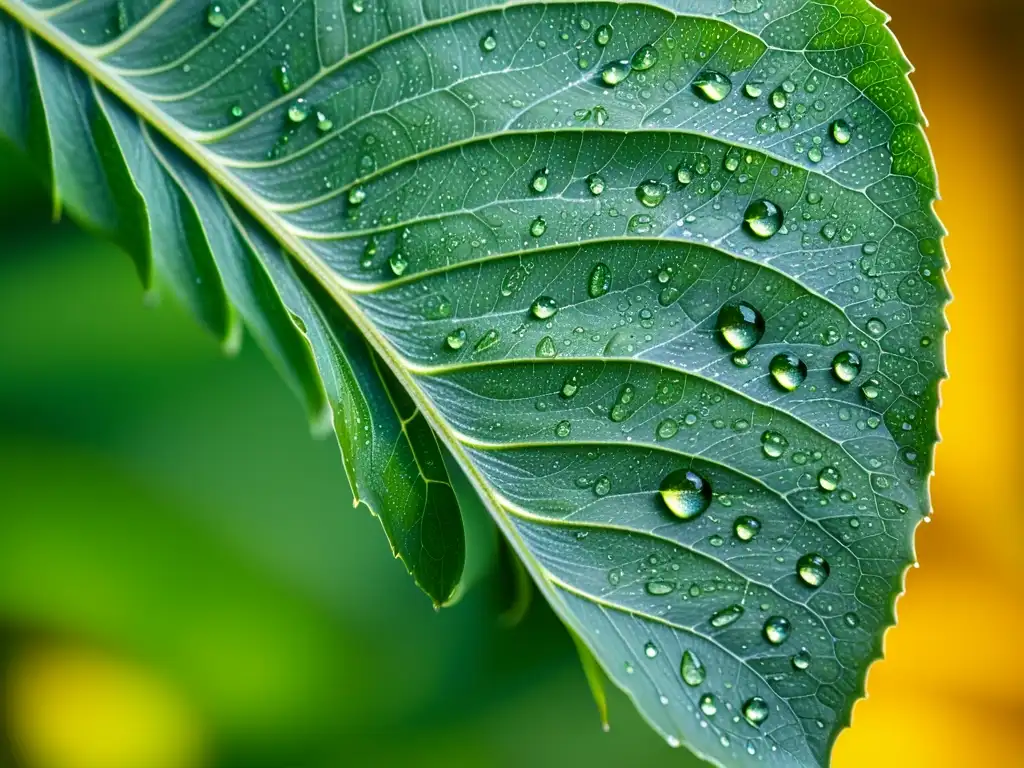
[[773, 444], [871, 389], [829, 479], [596, 184], [570, 387], [538, 227], [562, 429], [645, 58], [546, 347], [755, 710], [398, 263], [488, 340], [667, 429], [539, 182], [686, 494], [650, 650], [298, 111], [841, 132], [801, 660], [603, 35], [846, 366], [691, 669], [456, 339], [216, 16], [651, 193], [726, 616], [777, 629], [488, 42], [615, 72], [602, 486], [659, 588], [740, 325], [763, 218], [812, 569], [708, 705], [600, 280], [323, 122], [746, 528], [712, 86], [753, 90], [544, 307], [788, 370]]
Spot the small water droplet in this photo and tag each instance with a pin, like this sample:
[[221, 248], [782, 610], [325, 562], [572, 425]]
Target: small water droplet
[[708, 705], [875, 327], [216, 17], [788, 370], [323, 122], [829, 479], [871, 389], [740, 325], [544, 307], [488, 340], [659, 588], [456, 339], [596, 184], [683, 175], [237, 112], [779, 99], [562, 429], [851, 619], [546, 347], [686, 494], [726, 616], [691, 669], [763, 219], [603, 35], [539, 182], [846, 366], [755, 710], [777, 629], [774, 444], [801, 660], [398, 263], [746, 528], [600, 280], [615, 72], [841, 132], [668, 429], [602, 486], [570, 387], [488, 42], [283, 76], [645, 58], [753, 90], [812, 569], [298, 111], [651, 193], [538, 227], [356, 196], [712, 86], [650, 650]]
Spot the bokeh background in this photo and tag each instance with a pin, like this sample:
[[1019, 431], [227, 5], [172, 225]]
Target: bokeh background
[[184, 583]]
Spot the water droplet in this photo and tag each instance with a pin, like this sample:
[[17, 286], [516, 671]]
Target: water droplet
[[600, 115], [788, 370], [875, 327], [712, 86], [544, 307], [456, 339], [779, 99], [753, 90], [615, 73], [746, 528], [562, 429], [801, 660], [602, 486], [774, 444], [538, 227], [237, 112], [763, 219], [650, 650], [871, 389], [685, 493], [358, 6], [740, 325], [708, 705], [777, 629], [812, 569], [488, 340], [668, 429], [841, 132], [488, 42], [815, 155], [755, 710], [659, 588], [596, 184], [851, 619], [215, 15], [692, 670], [546, 347], [846, 366], [298, 111], [570, 387], [323, 122], [356, 196], [651, 193], [645, 58], [283, 76], [683, 175], [726, 616], [539, 182], [603, 35], [829, 479], [600, 280], [398, 263]]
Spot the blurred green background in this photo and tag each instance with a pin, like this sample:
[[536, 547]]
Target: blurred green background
[[184, 582]]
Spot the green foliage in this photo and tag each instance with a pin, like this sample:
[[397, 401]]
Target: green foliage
[[666, 282]]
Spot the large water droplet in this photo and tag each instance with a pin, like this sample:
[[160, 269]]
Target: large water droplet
[[600, 280], [615, 73], [692, 670], [746, 528], [763, 219], [774, 444], [829, 479], [846, 366], [685, 493], [544, 307], [788, 370], [841, 132], [708, 705], [755, 710], [216, 17], [651, 193], [812, 569], [726, 616], [777, 629], [740, 325], [712, 86], [488, 42], [645, 58]]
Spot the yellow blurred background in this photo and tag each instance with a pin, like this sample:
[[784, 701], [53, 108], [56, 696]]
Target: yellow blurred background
[[183, 583]]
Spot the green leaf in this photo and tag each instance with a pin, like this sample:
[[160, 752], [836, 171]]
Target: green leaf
[[545, 235]]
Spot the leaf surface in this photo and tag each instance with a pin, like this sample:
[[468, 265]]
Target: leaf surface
[[547, 234]]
